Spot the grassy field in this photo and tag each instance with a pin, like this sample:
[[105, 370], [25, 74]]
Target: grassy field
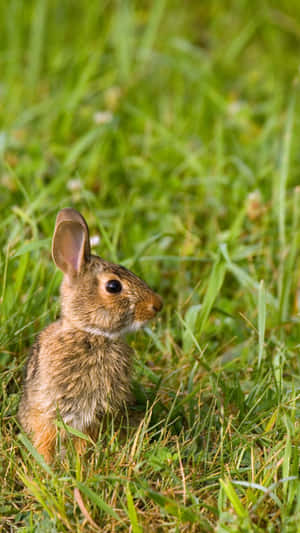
[[173, 127]]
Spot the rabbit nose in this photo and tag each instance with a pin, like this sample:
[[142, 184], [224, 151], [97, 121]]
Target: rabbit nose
[[157, 303]]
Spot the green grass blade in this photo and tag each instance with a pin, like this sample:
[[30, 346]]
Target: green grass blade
[[173, 508], [261, 321], [243, 277], [73, 431], [100, 503], [288, 265], [80, 146], [39, 458], [32, 246], [284, 172], [215, 283], [136, 528], [234, 499], [146, 44], [36, 44]]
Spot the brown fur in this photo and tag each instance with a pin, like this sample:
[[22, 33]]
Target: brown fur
[[80, 366]]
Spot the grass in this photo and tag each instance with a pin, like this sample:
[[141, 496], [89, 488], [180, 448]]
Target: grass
[[173, 127]]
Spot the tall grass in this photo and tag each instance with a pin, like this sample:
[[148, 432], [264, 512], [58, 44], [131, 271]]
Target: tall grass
[[174, 128]]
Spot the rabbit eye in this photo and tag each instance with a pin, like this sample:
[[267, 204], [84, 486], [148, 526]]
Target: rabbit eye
[[113, 285]]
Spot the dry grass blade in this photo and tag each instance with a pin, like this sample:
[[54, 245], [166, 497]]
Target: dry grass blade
[[83, 509]]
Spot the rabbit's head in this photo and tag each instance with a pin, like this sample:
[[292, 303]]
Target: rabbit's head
[[97, 296]]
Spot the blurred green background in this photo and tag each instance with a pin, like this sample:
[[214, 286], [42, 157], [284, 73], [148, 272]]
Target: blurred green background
[[173, 127]]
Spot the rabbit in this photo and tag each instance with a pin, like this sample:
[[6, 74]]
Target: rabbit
[[80, 366]]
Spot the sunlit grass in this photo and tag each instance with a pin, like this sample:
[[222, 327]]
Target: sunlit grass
[[173, 128]]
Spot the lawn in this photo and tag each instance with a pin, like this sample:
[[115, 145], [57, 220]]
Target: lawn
[[173, 127]]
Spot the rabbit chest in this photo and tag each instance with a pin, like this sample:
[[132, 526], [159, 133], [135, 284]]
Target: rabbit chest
[[88, 377]]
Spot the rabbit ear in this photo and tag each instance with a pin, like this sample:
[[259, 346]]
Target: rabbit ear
[[71, 243]]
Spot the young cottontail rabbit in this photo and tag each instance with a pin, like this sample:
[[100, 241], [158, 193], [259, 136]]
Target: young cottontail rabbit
[[80, 366]]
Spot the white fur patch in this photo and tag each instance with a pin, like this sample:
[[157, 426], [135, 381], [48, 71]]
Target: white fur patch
[[111, 335]]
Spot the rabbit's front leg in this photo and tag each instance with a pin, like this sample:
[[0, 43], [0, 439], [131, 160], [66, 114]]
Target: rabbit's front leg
[[44, 435]]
